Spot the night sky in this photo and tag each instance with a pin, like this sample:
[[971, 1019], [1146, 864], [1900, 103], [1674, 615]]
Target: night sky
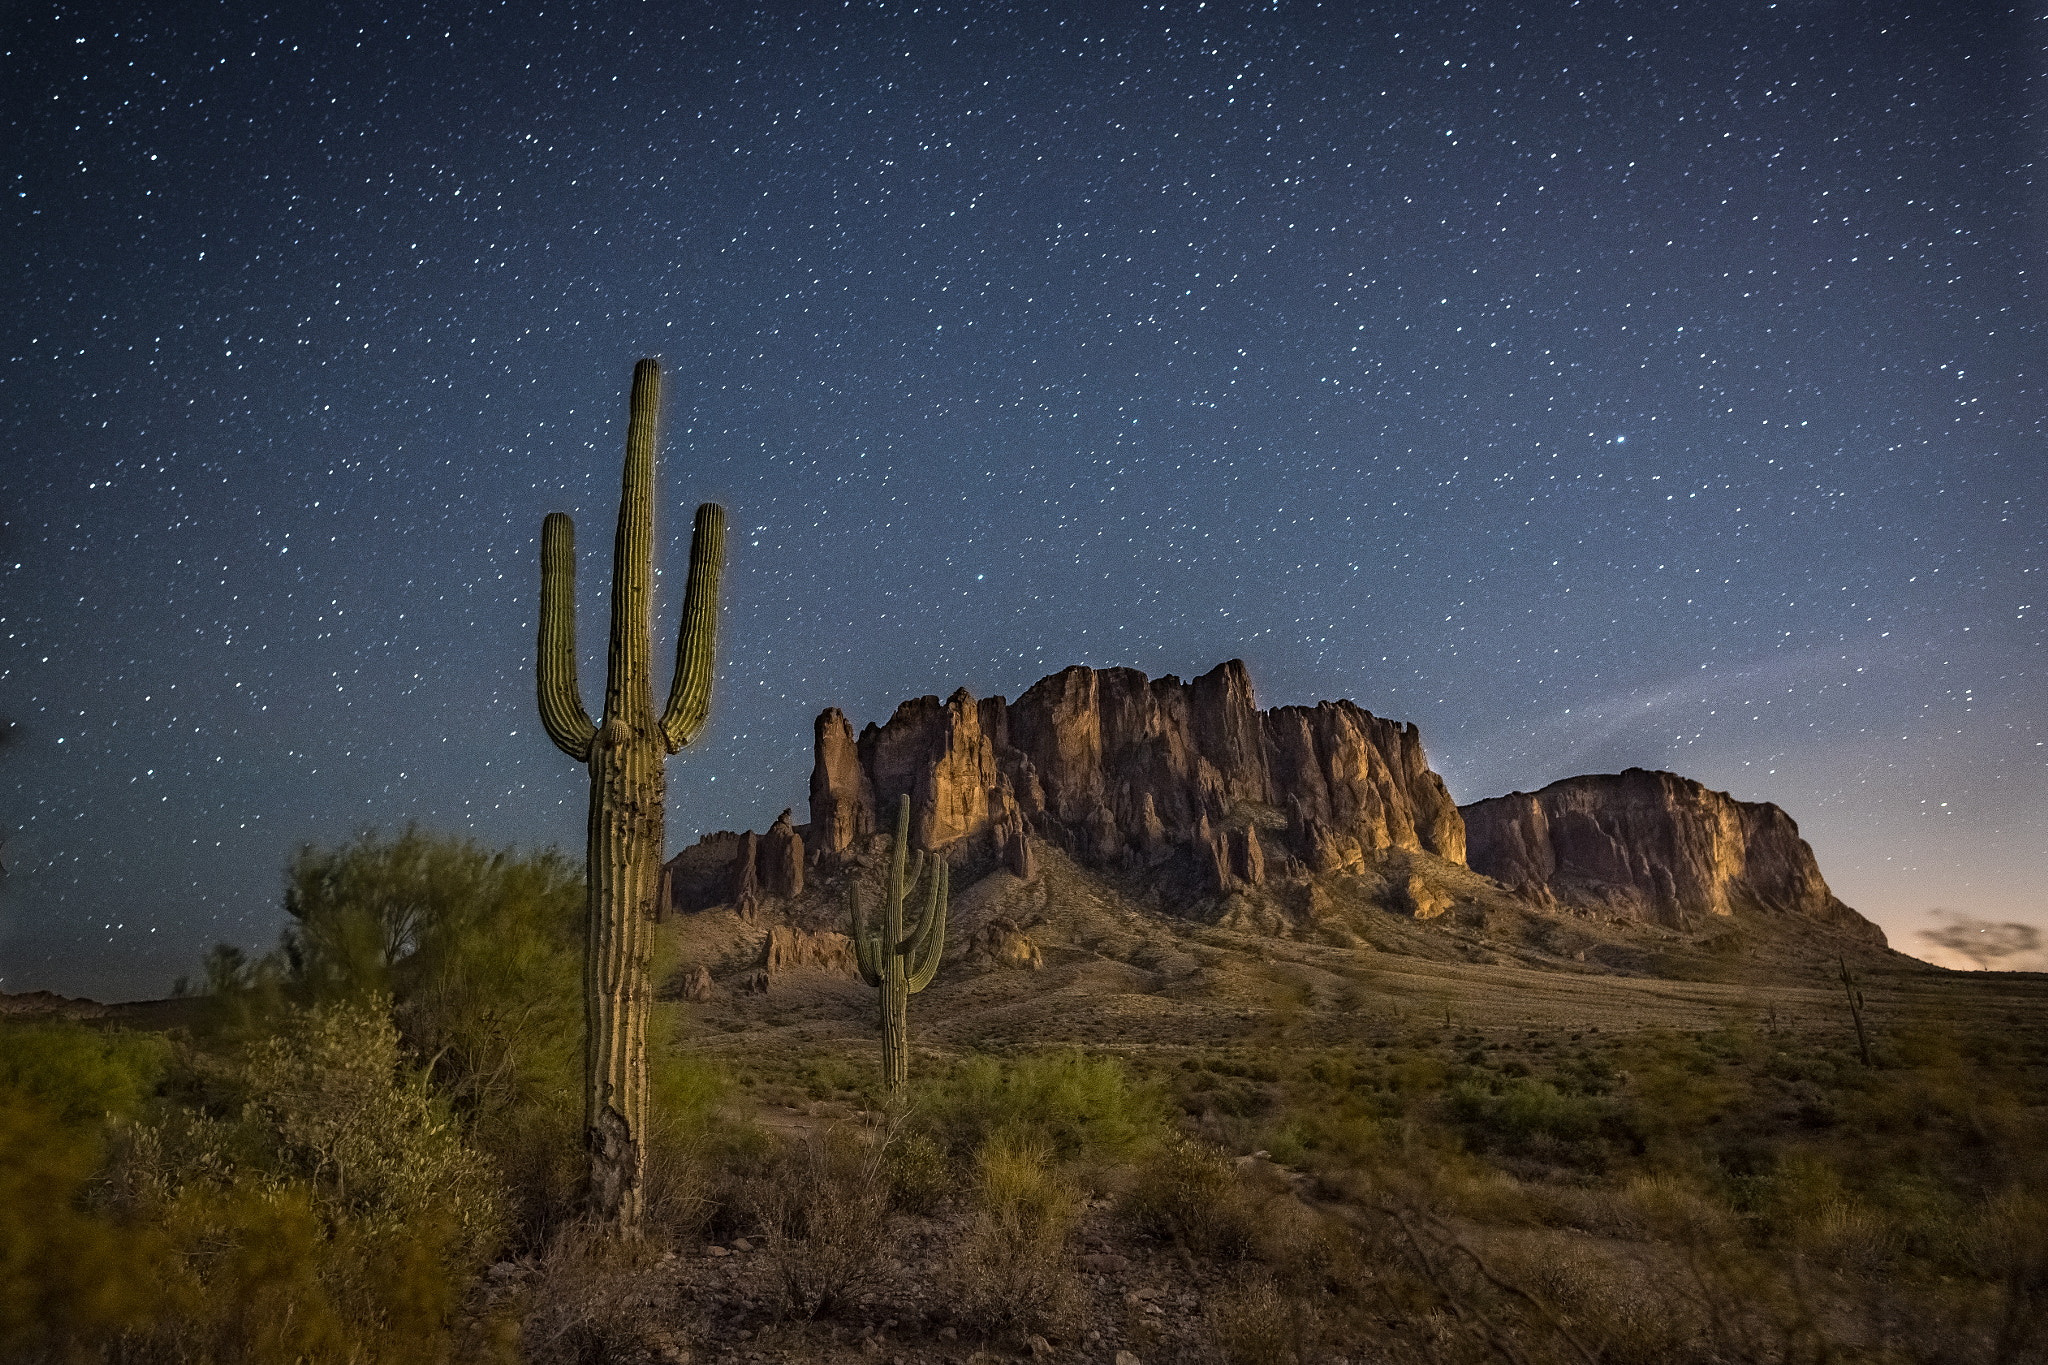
[[1590, 384]]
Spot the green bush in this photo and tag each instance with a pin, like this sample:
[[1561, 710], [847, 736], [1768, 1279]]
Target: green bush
[[920, 1175], [480, 956], [331, 1102], [311, 1200], [684, 1138], [66, 1276], [319, 1189], [84, 1075], [479, 952], [1073, 1105], [1525, 1108]]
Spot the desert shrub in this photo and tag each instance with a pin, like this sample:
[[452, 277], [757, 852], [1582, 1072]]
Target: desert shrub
[[2007, 1252], [311, 1200], [1418, 1073], [256, 1278], [920, 1173], [1254, 1323], [537, 1151], [327, 1101], [826, 1077], [480, 955], [317, 1201], [821, 1208], [1533, 1117], [1073, 1105], [1308, 1252], [84, 1075], [1184, 1192], [1620, 1305], [684, 1097], [595, 1299], [1678, 1090], [1325, 1138], [1015, 1268], [1739, 1303], [66, 1276]]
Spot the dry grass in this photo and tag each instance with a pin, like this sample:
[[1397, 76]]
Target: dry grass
[[1015, 1267], [592, 1300], [820, 1205]]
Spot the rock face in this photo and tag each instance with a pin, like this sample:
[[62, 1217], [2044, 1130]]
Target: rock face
[[779, 863], [1652, 845], [841, 795], [703, 874], [1119, 768], [786, 948], [734, 869]]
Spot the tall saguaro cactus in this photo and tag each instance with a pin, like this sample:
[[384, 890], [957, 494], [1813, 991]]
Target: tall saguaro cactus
[[898, 966], [628, 788]]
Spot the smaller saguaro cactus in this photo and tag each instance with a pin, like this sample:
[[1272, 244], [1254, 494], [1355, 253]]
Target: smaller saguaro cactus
[[897, 965], [1853, 988]]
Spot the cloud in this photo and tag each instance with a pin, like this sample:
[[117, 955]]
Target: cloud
[[1983, 945], [1645, 725]]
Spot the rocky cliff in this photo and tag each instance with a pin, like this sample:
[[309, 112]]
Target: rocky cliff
[[1121, 769], [1652, 845]]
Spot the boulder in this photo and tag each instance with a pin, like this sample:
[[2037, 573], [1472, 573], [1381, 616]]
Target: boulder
[[1424, 898], [1002, 944]]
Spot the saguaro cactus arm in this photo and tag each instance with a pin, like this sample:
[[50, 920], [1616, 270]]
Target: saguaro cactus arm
[[866, 947], [929, 943], [561, 700], [689, 696], [913, 946]]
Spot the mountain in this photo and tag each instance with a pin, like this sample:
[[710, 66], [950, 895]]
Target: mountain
[[1304, 822], [1653, 846], [1125, 771]]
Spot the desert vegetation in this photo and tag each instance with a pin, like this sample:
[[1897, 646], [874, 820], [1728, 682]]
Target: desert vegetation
[[367, 1146]]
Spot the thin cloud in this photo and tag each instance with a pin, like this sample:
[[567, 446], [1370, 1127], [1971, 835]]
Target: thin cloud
[[1966, 942]]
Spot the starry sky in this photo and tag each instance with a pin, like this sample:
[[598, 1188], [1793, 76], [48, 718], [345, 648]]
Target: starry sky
[[1592, 384]]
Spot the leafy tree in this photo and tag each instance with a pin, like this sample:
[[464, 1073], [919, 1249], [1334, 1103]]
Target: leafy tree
[[479, 953]]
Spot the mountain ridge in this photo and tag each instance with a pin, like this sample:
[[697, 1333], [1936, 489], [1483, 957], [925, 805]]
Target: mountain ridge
[[1229, 812]]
